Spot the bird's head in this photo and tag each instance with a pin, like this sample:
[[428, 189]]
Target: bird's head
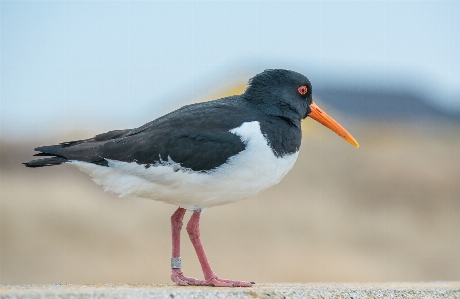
[[288, 94]]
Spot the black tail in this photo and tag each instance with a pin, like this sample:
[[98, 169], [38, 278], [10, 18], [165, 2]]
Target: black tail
[[79, 150], [45, 162], [50, 150]]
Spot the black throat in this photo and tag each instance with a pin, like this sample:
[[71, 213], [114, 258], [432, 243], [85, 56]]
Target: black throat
[[283, 136]]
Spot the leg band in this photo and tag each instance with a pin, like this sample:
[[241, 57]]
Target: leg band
[[176, 263]]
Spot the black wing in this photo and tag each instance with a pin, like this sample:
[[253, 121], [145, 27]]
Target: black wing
[[195, 136], [192, 148]]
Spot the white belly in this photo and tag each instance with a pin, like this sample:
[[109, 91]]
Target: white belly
[[249, 172]]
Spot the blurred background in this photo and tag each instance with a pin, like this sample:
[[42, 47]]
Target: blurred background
[[388, 71]]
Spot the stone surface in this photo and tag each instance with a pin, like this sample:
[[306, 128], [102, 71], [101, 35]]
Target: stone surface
[[313, 290]]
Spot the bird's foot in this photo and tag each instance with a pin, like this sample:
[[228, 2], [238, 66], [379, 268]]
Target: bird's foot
[[219, 282], [179, 278]]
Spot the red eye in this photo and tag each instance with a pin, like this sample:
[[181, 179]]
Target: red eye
[[302, 90]]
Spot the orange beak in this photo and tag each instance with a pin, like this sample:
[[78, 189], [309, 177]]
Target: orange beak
[[327, 121]]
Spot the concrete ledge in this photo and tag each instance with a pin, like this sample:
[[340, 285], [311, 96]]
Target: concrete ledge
[[297, 290]]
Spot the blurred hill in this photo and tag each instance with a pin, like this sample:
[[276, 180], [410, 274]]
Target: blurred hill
[[388, 211], [389, 105]]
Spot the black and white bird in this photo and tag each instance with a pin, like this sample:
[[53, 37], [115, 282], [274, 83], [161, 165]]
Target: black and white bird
[[203, 155]]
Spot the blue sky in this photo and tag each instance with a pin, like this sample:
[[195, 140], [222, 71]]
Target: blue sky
[[101, 65]]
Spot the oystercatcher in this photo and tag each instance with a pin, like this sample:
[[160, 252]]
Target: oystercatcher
[[203, 155]]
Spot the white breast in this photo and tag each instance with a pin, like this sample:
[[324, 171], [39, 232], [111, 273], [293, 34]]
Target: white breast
[[249, 172]]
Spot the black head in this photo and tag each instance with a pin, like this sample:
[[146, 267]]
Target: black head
[[281, 93]]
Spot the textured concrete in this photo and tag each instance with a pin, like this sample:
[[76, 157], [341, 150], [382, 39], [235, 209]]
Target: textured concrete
[[323, 291]]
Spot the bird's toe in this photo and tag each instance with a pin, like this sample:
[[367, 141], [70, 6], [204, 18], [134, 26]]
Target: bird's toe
[[218, 282]]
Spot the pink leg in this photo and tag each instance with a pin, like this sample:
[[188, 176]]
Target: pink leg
[[176, 273], [211, 279]]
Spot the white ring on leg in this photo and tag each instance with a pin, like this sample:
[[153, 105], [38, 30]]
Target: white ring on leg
[[176, 263]]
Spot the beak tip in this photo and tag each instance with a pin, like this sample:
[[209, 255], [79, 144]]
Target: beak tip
[[320, 116]]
